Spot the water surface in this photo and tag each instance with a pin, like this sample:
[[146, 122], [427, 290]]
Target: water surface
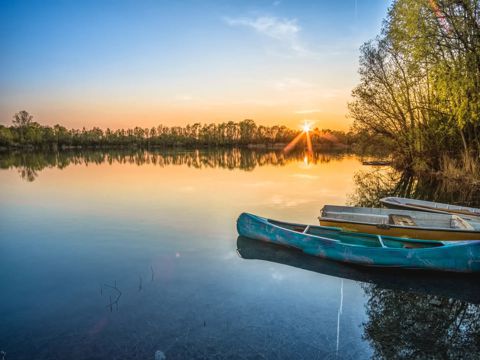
[[122, 255]]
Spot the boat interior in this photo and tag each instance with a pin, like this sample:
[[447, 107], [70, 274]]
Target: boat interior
[[400, 218], [357, 239]]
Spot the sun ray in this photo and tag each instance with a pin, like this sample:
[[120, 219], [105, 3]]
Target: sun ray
[[294, 142], [309, 144]]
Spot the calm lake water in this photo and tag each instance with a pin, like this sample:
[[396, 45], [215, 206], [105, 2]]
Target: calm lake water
[[132, 255]]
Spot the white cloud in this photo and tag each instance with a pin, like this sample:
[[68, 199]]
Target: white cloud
[[292, 83], [285, 31], [281, 29], [308, 111]]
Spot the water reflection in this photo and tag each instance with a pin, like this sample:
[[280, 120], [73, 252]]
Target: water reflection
[[420, 282], [371, 186], [411, 315], [30, 164], [403, 325]]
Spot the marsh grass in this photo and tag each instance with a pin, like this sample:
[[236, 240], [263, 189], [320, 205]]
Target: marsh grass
[[465, 168]]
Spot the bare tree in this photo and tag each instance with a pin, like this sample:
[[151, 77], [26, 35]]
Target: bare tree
[[22, 119]]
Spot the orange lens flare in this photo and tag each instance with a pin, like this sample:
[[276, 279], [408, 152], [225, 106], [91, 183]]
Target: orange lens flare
[[292, 143], [309, 144]]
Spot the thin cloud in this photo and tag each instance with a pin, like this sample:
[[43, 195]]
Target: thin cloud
[[293, 83], [308, 111], [285, 31]]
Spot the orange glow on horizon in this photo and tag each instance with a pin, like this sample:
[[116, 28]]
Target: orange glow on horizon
[[105, 113]]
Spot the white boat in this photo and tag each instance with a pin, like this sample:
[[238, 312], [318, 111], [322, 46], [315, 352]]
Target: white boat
[[400, 223], [430, 206]]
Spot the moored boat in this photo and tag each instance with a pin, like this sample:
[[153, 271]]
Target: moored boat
[[465, 212], [400, 223], [364, 249]]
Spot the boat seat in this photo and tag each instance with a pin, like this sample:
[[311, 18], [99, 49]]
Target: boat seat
[[402, 220], [458, 223], [370, 218]]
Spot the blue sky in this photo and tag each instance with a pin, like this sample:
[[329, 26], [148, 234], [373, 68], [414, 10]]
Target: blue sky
[[127, 63]]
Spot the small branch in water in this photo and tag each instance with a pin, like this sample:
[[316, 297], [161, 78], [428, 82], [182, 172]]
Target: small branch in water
[[119, 295], [140, 284], [153, 274]]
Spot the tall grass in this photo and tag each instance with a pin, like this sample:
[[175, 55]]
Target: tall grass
[[466, 167]]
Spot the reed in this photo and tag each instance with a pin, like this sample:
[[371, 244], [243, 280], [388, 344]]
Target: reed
[[466, 167]]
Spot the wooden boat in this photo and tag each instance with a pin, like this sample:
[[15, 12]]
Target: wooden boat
[[364, 249], [465, 212], [400, 223]]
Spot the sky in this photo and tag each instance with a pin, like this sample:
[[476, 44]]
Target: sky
[[143, 63]]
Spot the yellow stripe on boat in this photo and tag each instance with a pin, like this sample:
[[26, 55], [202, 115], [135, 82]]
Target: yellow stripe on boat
[[390, 230]]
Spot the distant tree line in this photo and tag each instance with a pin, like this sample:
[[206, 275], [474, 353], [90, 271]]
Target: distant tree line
[[419, 85], [25, 132]]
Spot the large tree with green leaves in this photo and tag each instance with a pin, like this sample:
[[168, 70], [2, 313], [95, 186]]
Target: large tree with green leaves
[[420, 80]]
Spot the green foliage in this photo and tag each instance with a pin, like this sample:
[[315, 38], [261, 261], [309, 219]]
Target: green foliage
[[420, 81]]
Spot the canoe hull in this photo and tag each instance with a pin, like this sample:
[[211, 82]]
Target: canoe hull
[[413, 233], [457, 257]]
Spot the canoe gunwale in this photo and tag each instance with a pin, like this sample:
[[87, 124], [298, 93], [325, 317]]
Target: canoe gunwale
[[266, 221], [400, 227], [402, 203]]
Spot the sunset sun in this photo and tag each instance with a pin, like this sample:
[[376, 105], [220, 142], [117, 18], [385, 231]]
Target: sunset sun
[[306, 127]]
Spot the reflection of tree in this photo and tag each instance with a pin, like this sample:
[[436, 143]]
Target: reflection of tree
[[371, 186], [27, 173], [30, 163], [403, 325]]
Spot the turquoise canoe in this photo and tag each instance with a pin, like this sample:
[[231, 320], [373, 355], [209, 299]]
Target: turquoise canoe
[[364, 249]]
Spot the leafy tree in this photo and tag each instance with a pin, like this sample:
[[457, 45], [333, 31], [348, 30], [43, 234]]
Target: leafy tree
[[420, 81], [22, 119]]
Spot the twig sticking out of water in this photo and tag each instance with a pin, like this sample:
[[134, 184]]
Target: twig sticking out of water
[[119, 295], [153, 274], [140, 284]]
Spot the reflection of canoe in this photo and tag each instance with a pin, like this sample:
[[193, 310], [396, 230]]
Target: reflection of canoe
[[400, 223], [465, 287], [364, 249], [430, 206]]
